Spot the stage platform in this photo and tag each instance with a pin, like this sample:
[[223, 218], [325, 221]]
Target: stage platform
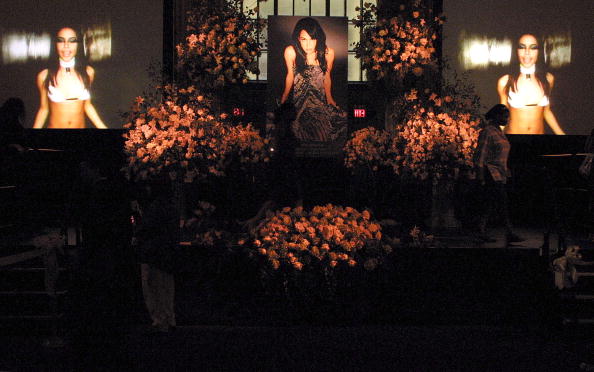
[[453, 305]]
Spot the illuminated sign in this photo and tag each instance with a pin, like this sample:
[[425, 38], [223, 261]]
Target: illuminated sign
[[359, 113]]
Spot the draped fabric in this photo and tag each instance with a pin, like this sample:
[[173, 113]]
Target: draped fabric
[[316, 120]]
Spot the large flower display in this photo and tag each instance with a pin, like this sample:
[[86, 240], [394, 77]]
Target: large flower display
[[221, 44], [391, 49], [296, 239], [437, 139], [177, 132]]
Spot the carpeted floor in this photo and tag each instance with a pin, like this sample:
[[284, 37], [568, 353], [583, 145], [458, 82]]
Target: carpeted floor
[[304, 348]]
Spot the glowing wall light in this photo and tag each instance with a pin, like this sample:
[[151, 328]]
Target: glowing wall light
[[238, 111], [359, 113]]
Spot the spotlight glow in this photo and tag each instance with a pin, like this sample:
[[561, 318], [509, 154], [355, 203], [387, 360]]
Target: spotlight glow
[[20, 47], [557, 49], [98, 42], [478, 52]]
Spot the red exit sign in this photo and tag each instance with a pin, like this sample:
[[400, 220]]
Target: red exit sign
[[359, 113], [238, 111]]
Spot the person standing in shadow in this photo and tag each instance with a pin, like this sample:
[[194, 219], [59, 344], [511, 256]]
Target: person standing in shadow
[[492, 172], [100, 297], [12, 138], [157, 237], [12, 117]]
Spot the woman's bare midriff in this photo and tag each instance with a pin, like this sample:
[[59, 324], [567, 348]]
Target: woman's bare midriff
[[67, 115], [526, 120]]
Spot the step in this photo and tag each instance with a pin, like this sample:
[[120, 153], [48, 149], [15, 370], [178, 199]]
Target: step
[[47, 317], [577, 310], [33, 280], [578, 297], [23, 254], [30, 293], [32, 303], [579, 321]]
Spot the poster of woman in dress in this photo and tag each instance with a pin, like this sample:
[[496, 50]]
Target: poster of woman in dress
[[307, 77]]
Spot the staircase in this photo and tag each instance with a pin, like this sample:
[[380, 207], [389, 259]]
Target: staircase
[[577, 301], [33, 289], [33, 275]]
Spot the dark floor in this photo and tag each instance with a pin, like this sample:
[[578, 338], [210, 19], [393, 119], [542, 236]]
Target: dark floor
[[473, 308], [306, 348]]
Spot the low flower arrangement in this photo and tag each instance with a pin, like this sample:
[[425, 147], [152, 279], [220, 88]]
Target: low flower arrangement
[[323, 238], [202, 226], [178, 132], [420, 239], [221, 44], [369, 148]]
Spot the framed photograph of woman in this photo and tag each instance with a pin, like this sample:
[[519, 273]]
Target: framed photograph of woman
[[307, 84]]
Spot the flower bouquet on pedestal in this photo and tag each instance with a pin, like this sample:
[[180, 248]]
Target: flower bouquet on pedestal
[[437, 142]]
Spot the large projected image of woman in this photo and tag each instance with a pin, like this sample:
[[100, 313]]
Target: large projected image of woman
[[64, 86], [309, 63], [528, 93]]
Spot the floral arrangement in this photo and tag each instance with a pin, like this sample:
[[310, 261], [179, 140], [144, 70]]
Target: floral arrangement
[[391, 49], [177, 132], [295, 239], [204, 229], [438, 137], [221, 44], [420, 239], [369, 148]]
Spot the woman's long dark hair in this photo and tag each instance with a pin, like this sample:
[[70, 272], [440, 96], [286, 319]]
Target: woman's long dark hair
[[81, 61], [315, 31], [540, 72]]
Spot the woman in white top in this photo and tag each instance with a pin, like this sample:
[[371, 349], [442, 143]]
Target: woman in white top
[[64, 86], [527, 95]]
